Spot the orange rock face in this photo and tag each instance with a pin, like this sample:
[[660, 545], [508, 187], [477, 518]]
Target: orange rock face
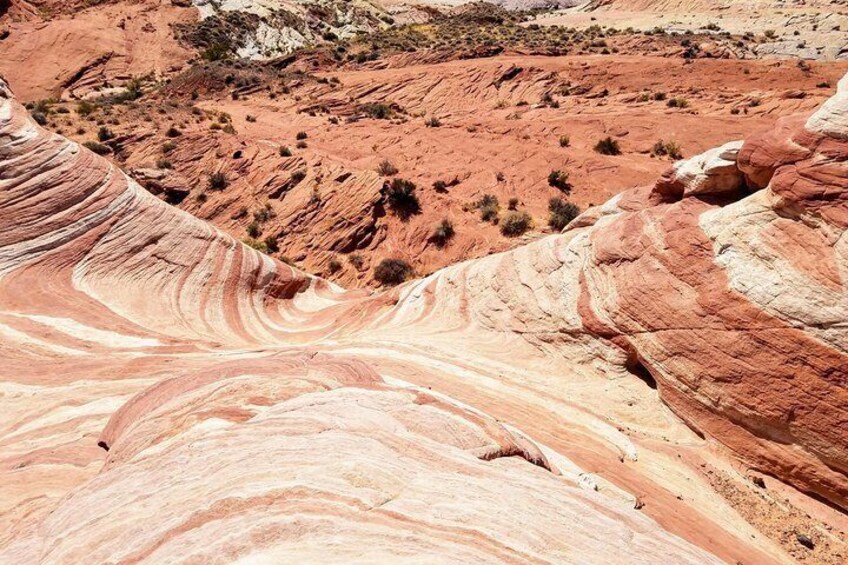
[[172, 395]]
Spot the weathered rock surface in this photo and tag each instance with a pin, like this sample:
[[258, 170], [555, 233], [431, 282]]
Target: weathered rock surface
[[171, 394]]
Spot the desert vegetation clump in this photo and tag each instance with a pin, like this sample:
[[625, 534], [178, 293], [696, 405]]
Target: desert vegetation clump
[[433, 122], [564, 141], [356, 260], [254, 243], [271, 244], [561, 212], [489, 208], [391, 272], [217, 181], [387, 169], [285, 152], [559, 180], [96, 147], [104, 134], [254, 229], [669, 149], [301, 135], [608, 146], [678, 102], [401, 198], [85, 108], [334, 266], [443, 233], [378, 110], [515, 224], [442, 186]]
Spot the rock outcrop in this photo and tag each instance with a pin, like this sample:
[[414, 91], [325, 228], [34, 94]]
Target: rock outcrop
[[173, 395]]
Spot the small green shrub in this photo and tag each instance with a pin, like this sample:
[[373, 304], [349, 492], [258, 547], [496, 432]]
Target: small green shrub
[[254, 229], [218, 181], [86, 108], [271, 244], [608, 146], [285, 152], [387, 169], [667, 148], [561, 213], [515, 224], [105, 134], [401, 198], [678, 103], [559, 180], [391, 272], [98, 148], [40, 118], [443, 233], [301, 135], [489, 208]]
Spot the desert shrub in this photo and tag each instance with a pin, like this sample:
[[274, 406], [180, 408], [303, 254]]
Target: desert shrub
[[254, 229], [678, 103], [387, 169], [489, 208], [561, 212], [401, 197], [334, 266], [356, 260], [271, 244], [285, 152], [168, 146], [250, 118], [301, 144], [432, 122], [391, 272], [229, 129], [86, 108], [216, 52], [559, 180], [255, 244], [377, 110], [515, 224], [173, 132], [442, 186], [667, 148], [608, 146], [105, 134], [443, 233], [770, 34], [164, 164], [512, 204], [564, 141], [133, 92], [218, 181], [264, 213], [98, 148], [659, 96], [301, 135]]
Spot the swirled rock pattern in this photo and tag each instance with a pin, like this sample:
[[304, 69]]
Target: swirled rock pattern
[[171, 395]]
